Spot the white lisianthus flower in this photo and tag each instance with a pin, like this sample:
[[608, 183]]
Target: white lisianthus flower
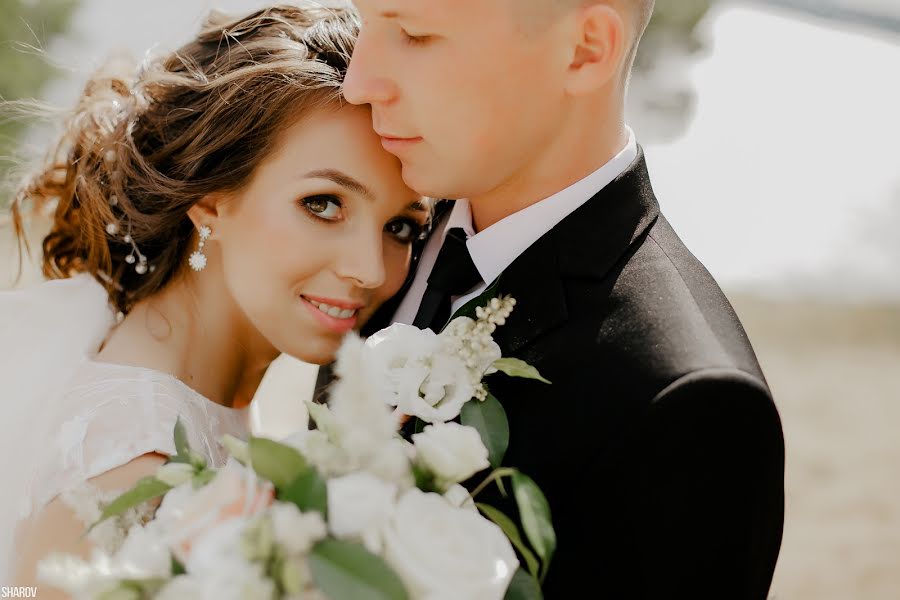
[[452, 452], [393, 463], [421, 375], [359, 505], [295, 531], [218, 564], [440, 551]]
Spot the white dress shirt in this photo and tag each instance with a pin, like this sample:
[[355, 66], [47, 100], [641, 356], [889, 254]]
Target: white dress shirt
[[495, 248]]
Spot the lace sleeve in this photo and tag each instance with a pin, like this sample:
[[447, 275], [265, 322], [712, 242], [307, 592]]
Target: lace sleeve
[[120, 414]]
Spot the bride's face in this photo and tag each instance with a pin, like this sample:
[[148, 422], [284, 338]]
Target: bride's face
[[320, 237]]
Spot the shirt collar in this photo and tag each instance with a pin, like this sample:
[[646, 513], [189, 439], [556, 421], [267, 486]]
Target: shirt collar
[[495, 248]]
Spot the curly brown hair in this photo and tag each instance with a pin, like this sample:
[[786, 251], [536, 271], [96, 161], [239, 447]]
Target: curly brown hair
[[143, 146]]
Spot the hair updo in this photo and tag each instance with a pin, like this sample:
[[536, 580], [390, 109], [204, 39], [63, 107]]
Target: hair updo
[[142, 147]]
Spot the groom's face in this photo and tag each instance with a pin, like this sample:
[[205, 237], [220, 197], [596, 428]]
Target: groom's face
[[463, 92]]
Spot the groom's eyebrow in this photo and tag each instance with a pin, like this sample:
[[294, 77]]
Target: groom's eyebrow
[[343, 180]]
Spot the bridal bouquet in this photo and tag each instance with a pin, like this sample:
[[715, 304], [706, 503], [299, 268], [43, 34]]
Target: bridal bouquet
[[348, 510]]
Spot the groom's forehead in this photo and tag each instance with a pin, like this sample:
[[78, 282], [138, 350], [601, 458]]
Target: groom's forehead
[[408, 8]]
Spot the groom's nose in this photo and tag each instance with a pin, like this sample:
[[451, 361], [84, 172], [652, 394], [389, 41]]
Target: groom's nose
[[366, 81]]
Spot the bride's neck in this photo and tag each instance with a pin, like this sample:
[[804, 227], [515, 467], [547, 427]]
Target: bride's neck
[[198, 335]]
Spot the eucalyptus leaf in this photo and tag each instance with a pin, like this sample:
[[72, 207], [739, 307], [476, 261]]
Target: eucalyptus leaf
[[534, 511], [276, 462], [309, 492], [512, 532], [518, 368], [146, 489], [203, 477], [489, 418], [523, 587], [345, 570]]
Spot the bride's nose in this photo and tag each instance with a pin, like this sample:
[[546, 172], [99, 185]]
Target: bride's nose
[[362, 261]]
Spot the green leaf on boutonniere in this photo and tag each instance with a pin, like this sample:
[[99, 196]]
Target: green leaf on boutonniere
[[512, 532], [346, 570], [523, 587], [517, 368], [146, 489], [276, 462], [419, 425], [468, 309], [489, 418], [308, 492], [534, 511]]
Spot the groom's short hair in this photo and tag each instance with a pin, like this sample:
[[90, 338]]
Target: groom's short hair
[[641, 11]]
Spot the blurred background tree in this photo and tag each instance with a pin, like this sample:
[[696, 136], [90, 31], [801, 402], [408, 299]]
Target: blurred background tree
[[660, 97], [26, 27]]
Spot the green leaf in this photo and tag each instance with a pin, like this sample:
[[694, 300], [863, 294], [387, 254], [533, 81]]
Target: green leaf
[[346, 570], [276, 462], [308, 491], [203, 477], [483, 299], [182, 448], [146, 489], [177, 567], [489, 418], [419, 425], [512, 532], [534, 511], [518, 368], [523, 587]]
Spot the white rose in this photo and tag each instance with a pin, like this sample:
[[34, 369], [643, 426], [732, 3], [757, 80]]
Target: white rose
[[185, 514], [442, 551], [295, 531], [460, 497], [420, 376], [452, 452], [358, 507]]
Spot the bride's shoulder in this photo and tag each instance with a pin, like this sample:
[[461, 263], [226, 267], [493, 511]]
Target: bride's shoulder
[[109, 414]]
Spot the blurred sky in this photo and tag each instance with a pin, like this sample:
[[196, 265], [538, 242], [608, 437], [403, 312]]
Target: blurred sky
[[787, 179]]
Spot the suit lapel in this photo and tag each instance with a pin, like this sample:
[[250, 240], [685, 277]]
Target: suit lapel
[[587, 244]]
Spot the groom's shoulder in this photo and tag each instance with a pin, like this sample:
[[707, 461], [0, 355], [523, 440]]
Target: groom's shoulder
[[661, 316]]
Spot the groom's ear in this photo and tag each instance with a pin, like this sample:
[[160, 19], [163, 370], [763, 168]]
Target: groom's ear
[[600, 45]]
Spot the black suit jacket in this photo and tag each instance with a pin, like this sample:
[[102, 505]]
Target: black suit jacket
[[658, 445]]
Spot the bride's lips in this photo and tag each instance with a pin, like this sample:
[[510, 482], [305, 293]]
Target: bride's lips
[[343, 317]]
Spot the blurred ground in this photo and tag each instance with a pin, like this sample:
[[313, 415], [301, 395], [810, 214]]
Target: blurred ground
[[835, 373]]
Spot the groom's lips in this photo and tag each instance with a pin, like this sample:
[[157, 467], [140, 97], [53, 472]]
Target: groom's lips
[[393, 143]]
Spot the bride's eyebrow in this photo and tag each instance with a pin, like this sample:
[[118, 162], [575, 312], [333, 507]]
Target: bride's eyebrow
[[341, 179]]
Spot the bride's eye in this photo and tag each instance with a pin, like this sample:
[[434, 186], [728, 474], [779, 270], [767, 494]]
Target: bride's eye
[[323, 206], [405, 230]]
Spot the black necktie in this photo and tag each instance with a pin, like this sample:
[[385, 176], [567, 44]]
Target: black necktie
[[453, 274]]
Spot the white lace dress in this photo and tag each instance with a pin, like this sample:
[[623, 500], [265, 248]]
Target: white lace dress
[[65, 417]]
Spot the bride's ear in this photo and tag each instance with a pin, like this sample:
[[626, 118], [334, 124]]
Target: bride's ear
[[207, 211]]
